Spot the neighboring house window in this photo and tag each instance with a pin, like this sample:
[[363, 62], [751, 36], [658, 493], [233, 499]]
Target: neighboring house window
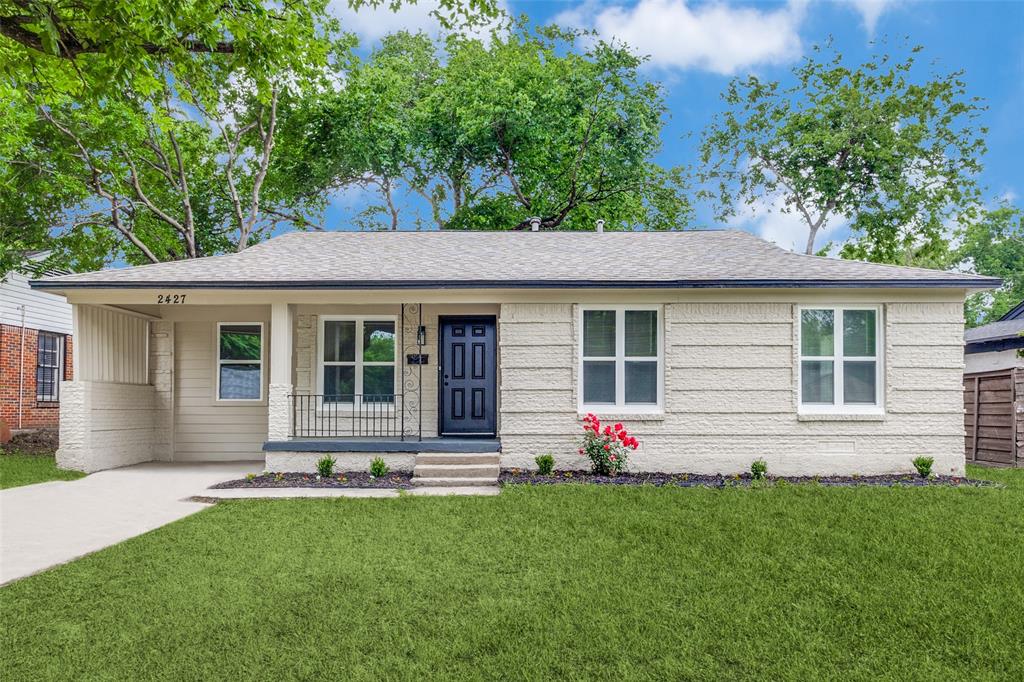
[[357, 359], [240, 361], [840, 359], [621, 358], [49, 367]]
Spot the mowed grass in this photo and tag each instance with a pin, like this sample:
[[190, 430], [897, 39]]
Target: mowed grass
[[796, 582], [17, 469]]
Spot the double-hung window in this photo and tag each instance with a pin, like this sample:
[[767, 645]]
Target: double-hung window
[[621, 358], [240, 361], [357, 359], [49, 366], [840, 359]]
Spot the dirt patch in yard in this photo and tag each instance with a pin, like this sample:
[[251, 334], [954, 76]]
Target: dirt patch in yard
[[357, 479], [520, 476], [41, 442]]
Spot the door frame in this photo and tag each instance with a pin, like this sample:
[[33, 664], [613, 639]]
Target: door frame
[[441, 320]]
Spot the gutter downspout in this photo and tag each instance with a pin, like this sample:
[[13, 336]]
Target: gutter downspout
[[21, 370]]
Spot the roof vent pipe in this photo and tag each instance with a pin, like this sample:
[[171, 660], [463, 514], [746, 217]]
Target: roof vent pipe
[[600, 226], [534, 224]]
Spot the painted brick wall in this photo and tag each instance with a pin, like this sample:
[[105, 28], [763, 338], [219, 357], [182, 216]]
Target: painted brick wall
[[32, 414], [730, 392]]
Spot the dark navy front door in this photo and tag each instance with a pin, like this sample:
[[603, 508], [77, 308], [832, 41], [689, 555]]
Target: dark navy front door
[[469, 369]]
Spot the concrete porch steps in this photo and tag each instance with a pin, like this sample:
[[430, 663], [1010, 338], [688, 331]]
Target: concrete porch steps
[[456, 469]]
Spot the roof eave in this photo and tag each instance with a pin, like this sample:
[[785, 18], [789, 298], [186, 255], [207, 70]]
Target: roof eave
[[952, 282]]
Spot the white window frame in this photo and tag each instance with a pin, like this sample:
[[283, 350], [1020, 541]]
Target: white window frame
[[217, 362], [58, 374], [358, 363], [838, 406], [620, 406]]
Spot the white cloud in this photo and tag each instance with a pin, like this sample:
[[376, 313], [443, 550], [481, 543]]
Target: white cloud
[[768, 219], [715, 36], [870, 11], [373, 23]]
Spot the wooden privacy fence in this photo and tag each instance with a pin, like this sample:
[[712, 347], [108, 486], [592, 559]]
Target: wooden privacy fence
[[991, 423]]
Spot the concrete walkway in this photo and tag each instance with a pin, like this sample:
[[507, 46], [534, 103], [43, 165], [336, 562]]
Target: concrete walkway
[[46, 524]]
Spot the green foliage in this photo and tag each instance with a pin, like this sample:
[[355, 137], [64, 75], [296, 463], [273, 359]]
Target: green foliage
[[378, 467], [545, 464], [924, 466], [758, 469], [993, 245], [145, 131], [490, 134], [238, 344], [325, 466], [893, 153]]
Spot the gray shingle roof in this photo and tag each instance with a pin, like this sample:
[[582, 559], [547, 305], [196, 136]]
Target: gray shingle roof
[[996, 331], [712, 258]]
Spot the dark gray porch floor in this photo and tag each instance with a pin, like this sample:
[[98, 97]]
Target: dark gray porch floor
[[379, 445]]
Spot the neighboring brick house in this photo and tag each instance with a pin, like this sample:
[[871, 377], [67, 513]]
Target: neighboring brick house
[[35, 354]]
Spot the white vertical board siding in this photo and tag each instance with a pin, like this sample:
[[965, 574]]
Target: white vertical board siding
[[730, 392], [204, 429], [112, 347], [47, 312]]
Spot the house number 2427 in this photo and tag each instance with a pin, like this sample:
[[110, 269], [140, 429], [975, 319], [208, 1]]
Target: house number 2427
[[170, 298]]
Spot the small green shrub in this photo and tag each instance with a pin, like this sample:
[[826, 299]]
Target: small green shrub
[[924, 466], [325, 466], [758, 469], [545, 464], [250, 477], [378, 468]]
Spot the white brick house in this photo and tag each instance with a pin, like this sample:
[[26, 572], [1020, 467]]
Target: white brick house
[[715, 348]]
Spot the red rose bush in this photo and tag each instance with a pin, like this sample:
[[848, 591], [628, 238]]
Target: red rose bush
[[607, 447]]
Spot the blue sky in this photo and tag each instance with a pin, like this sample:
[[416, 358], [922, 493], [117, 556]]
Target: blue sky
[[695, 48]]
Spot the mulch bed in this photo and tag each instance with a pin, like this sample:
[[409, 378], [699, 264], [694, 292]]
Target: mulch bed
[[519, 476], [41, 442], [347, 479]]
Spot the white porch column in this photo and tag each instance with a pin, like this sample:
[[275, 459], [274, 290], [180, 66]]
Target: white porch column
[[278, 404]]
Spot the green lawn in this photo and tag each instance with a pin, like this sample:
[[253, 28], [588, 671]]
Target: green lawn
[[796, 582], [16, 469]]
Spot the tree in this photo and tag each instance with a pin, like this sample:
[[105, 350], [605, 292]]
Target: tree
[[993, 245], [894, 155], [145, 131], [490, 134], [133, 43]]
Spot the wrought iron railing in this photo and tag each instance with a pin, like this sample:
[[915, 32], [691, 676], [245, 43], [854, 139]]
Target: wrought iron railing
[[355, 415]]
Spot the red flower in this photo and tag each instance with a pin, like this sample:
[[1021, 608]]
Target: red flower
[[622, 436], [612, 458], [618, 427], [607, 447], [607, 430], [581, 451]]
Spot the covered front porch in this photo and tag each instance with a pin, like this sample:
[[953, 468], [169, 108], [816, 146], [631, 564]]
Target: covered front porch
[[290, 382]]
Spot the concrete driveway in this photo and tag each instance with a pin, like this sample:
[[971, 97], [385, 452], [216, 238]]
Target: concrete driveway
[[46, 524]]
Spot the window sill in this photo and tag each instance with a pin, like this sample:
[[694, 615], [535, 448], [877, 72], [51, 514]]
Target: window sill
[[840, 417], [626, 416]]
